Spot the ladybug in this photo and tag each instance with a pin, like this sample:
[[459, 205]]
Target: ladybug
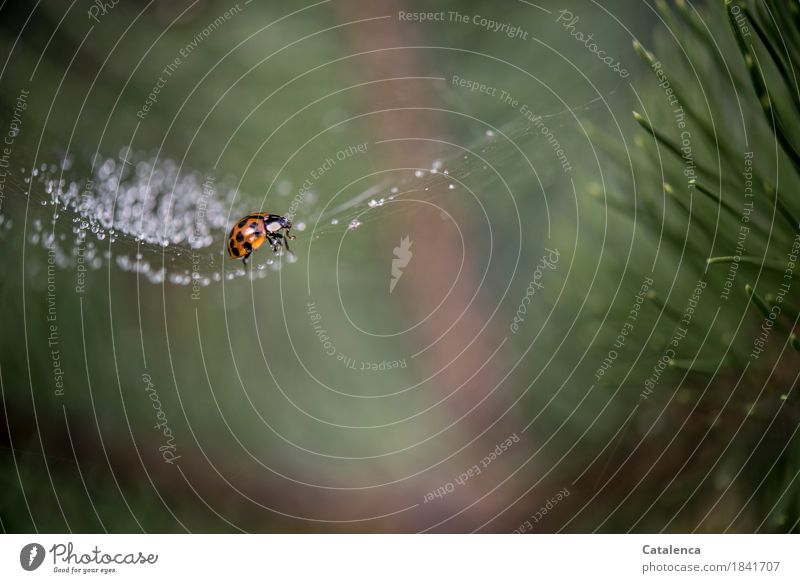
[[252, 231]]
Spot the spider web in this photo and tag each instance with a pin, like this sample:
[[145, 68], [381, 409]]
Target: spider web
[[169, 224]]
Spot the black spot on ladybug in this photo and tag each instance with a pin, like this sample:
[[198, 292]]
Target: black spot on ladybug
[[242, 223], [253, 225], [235, 252], [239, 237], [248, 246]]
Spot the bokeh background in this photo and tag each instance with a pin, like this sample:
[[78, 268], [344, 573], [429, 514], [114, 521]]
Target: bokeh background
[[499, 316]]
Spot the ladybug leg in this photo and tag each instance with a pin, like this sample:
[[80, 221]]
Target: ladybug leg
[[244, 261]]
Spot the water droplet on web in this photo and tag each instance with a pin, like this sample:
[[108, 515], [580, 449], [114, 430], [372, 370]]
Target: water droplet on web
[[284, 187], [334, 221], [489, 134], [301, 226], [418, 173], [354, 224], [451, 186], [394, 190]]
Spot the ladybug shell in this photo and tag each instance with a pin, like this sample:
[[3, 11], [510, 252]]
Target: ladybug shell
[[247, 235]]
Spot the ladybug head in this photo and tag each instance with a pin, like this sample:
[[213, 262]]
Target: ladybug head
[[285, 223]]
